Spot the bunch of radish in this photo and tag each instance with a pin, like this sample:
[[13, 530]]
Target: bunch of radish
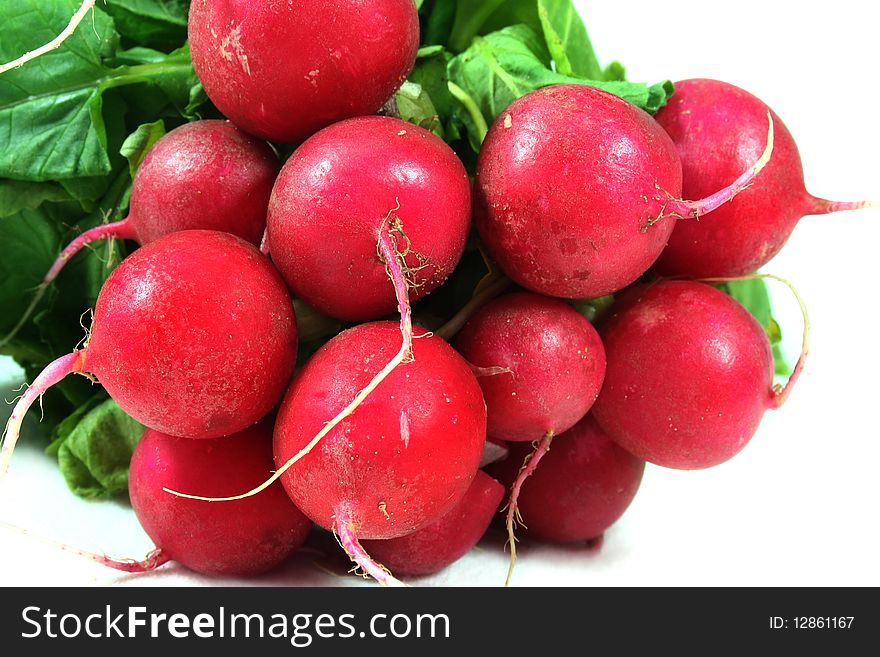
[[380, 435]]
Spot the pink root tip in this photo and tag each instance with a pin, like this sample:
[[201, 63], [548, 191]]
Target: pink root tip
[[528, 468], [54, 372], [823, 206], [345, 532], [154, 559], [780, 393]]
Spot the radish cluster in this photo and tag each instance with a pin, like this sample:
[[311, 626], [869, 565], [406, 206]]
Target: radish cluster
[[380, 434]]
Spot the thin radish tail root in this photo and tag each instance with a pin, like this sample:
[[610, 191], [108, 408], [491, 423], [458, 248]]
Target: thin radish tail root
[[345, 531], [681, 209], [824, 206], [54, 372], [153, 560], [120, 229], [54, 43], [529, 466], [779, 394], [396, 268]]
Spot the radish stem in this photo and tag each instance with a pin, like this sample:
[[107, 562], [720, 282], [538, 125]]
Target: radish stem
[[682, 209]]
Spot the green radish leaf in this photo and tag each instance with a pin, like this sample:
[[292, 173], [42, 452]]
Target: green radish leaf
[[89, 190], [505, 65], [513, 12], [64, 428], [567, 40], [51, 125], [52, 109], [470, 16], [752, 294], [32, 239], [755, 296], [454, 110], [137, 144], [430, 73], [615, 71], [593, 309], [426, 52], [774, 332], [197, 100], [415, 105], [18, 195], [564, 33], [437, 17], [94, 448], [154, 23], [171, 89]]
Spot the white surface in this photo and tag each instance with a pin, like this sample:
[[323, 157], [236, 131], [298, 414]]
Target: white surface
[[800, 505]]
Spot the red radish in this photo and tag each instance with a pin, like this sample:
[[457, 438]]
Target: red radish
[[336, 192], [406, 454], [282, 70], [585, 483], [431, 549], [241, 538], [539, 362], [690, 375], [194, 335], [205, 175], [577, 189], [718, 129], [392, 257]]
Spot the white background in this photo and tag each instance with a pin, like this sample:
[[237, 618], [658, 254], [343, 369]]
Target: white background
[[800, 505]]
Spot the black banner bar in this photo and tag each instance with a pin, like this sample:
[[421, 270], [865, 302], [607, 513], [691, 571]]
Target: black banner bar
[[420, 621]]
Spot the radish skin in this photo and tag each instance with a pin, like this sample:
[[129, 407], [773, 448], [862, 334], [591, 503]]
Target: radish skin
[[334, 194], [577, 191], [243, 538], [690, 375], [437, 546], [169, 345], [282, 70], [404, 456], [718, 129], [539, 362], [206, 175], [584, 485]]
